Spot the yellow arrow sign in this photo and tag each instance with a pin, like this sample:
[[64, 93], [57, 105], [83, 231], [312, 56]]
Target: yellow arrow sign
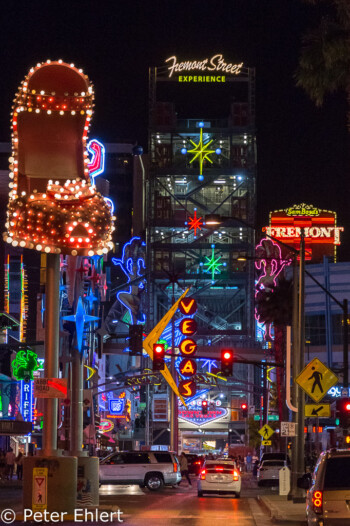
[[316, 379], [318, 410], [266, 431], [154, 336], [266, 443]]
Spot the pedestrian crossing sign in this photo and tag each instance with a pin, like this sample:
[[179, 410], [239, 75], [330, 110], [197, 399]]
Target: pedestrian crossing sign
[[316, 379], [266, 443], [266, 431]]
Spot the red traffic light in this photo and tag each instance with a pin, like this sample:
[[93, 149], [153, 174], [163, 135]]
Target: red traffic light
[[244, 406], [347, 406], [227, 355], [204, 402], [158, 348]]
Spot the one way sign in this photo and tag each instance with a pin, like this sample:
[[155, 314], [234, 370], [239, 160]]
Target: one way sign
[[318, 410]]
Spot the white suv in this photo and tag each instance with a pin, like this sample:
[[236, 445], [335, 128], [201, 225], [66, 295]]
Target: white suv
[[219, 476], [152, 469], [328, 498]]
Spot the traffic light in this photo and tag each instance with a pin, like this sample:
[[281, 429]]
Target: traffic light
[[135, 339], [244, 409], [204, 407], [226, 362], [343, 412], [158, 357]]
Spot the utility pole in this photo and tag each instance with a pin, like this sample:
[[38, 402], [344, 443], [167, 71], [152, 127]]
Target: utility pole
[[345, 344], [298, 492], [295, 347], [174, 409]]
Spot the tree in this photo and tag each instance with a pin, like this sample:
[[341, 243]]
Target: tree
[[324, 64]]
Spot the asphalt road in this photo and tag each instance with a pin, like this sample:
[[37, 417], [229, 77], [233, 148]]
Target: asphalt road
[[170, 506]]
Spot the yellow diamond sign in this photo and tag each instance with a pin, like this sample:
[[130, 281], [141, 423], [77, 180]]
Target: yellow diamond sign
[[316, 379], [266, 431]]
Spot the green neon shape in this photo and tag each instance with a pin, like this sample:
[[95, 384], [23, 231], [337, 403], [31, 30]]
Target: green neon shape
[[24, 365], [213, 264], [201, 152]]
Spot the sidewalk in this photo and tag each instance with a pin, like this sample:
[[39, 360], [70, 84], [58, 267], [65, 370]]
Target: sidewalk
[[281, 509]]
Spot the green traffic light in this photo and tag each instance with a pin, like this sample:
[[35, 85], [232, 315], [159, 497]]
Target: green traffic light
[[337, 421]]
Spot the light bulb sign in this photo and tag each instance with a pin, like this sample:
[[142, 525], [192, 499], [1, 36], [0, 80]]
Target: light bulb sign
[[188, 367], [187, 388], [213, 69], [322, 235], [188, 306]]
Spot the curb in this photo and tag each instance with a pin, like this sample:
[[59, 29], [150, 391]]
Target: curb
[[274, 513]]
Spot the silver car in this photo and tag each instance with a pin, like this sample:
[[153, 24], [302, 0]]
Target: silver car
[[152, 469], [328, 498], [268, 472]]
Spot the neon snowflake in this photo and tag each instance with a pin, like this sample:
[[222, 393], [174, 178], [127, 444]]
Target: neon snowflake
[[213, 264], [195, 223], [201, 152]]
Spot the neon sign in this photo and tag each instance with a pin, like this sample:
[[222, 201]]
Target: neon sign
[[313, 232], [213, 264], [26, 403], [24, 365], [80, 318], [97, 164], [116, 406], [196, 417], [214, 64], [187, 387], [194, 222], [303, 210]]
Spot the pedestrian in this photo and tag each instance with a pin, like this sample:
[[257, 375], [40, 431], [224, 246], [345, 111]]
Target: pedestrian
[[10, 463], [2, 464], [19, 463], [249, 462], [184, 467]]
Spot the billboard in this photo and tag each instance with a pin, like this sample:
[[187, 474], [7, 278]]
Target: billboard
[[322, 235]]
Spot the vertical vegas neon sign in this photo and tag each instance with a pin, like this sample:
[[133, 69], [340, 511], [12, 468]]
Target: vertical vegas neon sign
[[26, 403]]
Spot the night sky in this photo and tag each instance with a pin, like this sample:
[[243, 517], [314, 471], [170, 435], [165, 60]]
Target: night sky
[[303, 152]]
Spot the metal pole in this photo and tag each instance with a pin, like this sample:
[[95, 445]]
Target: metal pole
[[299, 493], [147, 422], [52, 312], [76, 419], [295, 348], [345, 344]]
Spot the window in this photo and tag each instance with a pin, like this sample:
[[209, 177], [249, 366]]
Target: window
[[163, 457], [137, 458], [315, 329], [116, 459], [337, 473]]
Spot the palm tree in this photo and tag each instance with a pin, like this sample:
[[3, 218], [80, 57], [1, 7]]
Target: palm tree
[[324, 64]]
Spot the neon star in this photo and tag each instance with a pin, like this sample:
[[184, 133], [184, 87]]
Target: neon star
[[80, 318], [195, 223], [213, 264], [201, 152]]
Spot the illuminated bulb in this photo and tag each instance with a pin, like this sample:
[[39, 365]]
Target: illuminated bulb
[[15, 243], [37, 110], [80, 240], [74, 252], [72, 240], [91, 253], [22, 244], [87, 240], [38, 247], [61, 112], [105, 250], [49, 112], [47, 250]]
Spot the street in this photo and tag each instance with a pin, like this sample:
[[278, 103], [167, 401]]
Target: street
[[173, 506]]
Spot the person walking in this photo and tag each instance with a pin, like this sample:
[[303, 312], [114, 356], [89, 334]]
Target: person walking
[[249, 459], [10, 463], [19, 463], [184, 467]]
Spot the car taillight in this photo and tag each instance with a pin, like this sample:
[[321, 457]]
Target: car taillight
[[317, 501], [197, 462], [175, 467], [203, 473], [235, 475]]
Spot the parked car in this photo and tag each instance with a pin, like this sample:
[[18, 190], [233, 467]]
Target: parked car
[[195, 463], [219, 476], [151, 469], [268, 472], [275, 456], [328, 498]]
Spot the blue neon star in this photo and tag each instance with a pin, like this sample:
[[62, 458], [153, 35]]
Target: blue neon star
[[80, 318]]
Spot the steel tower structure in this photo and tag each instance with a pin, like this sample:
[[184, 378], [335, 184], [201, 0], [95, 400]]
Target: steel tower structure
[[201, 202]]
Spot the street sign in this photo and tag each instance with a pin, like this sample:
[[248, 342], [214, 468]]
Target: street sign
[[50, 388], [272, 418], [39, 495], [318, 410], [266, 443], [266, 431], [288, 429], [315, 379]]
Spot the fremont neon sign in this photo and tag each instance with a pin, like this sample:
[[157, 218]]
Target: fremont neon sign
[[214, 64], [309, 232]]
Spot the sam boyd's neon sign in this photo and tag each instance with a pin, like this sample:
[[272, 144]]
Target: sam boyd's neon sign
[[214, 64]]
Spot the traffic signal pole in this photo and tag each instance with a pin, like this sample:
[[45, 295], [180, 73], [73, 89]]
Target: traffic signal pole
[[300, 441]]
